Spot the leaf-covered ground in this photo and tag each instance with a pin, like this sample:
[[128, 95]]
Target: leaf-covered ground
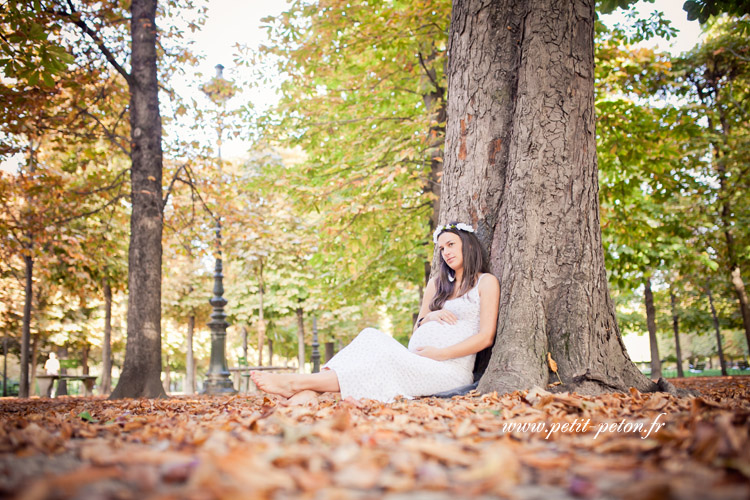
[[250, 447]]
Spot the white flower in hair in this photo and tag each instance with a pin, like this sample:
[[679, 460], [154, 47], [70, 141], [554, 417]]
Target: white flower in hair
[[460, 226]]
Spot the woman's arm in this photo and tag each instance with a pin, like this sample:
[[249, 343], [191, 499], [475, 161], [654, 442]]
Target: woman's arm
[[489, 300], [425, 314]]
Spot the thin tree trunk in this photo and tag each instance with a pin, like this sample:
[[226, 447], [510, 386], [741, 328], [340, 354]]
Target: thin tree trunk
[[34, 355], [5, 365], [520, 166], [676, 327], [23, 390], [301, 339], [85, 358], [329, 351], [62, 384], [270, 352], [717, 330], [739, 290], [141, 371], [244, 343], [261, 320], [106, 386], [190, 361], [167, 372], [651, 322]]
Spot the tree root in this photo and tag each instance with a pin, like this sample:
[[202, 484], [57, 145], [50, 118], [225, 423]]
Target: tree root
[[594, 384]]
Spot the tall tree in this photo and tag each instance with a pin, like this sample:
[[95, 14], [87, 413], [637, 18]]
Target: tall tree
[[142, 368], [521, 167]]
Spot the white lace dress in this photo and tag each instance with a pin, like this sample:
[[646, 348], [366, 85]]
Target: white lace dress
[[376, 366]]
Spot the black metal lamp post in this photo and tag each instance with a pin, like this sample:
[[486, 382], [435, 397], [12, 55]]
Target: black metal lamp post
[[219, 91]]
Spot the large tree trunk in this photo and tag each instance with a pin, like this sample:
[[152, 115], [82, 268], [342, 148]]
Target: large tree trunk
[[142, 368], [520, 166], [301, 339], [676, 327], [23, 388], [715, 318], [190, 357], [107, 344], [651, 324]]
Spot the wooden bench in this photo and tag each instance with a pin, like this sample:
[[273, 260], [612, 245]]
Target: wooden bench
[[46, 382], [244, 372]]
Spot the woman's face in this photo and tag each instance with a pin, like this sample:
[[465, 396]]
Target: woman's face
[[451, 250]]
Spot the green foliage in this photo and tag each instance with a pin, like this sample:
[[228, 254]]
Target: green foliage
[[703, 9], [358, 80]]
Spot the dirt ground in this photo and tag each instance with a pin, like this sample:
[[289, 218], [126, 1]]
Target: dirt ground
[[524, 445]]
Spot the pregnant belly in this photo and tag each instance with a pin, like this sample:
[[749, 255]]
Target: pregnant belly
[[436, 334]]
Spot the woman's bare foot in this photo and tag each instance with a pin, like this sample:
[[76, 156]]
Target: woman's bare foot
[[274, 383], [301, 398]]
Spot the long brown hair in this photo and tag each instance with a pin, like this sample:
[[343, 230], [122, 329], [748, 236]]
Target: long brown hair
[[474, 263]]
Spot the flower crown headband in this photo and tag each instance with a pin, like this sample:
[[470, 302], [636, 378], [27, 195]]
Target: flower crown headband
[[460, 226]]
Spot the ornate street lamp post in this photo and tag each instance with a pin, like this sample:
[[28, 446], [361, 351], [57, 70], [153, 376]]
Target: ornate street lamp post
[[219, 91]]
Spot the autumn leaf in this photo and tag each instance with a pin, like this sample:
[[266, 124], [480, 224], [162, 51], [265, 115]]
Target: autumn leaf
[[553, 366]]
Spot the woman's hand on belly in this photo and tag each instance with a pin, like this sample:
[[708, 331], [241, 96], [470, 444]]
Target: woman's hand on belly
[[431, 352]]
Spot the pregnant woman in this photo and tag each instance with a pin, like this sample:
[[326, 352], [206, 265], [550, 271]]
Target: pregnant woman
[[457, 319]]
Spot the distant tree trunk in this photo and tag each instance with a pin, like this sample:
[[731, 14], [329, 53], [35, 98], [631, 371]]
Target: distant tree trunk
[[676, 327], [167, 372], [651, 323], [301, 339], [34, 356], [62, 384], [520, 166], [329, 351], [5, 365], [190, 361], [244, 343], [717, 329], [141, 371], [739, 290], [23, 389], [270, 352], [85, 358], [106, 386], [261, 320], [435, 104]]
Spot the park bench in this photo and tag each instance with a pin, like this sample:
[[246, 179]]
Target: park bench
[[743, 365], [46, 382], [699, 367], [243, 370]]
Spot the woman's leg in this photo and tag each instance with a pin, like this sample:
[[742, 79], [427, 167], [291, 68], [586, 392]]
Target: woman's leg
[[289, 384]]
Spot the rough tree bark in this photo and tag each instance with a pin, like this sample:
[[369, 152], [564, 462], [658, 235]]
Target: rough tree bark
[[520, 165], [142, 368], [106, 384], [651, 324], [676, 327]]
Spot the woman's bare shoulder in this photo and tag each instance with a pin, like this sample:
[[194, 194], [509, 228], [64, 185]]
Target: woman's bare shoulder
[[488, 283]]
